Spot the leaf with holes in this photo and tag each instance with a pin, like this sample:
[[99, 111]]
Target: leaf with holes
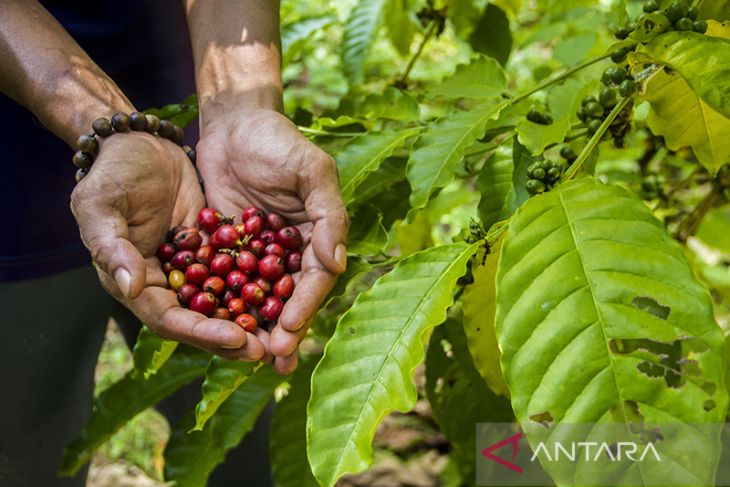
[[364, 154], [437, 152], [479, 306], [703, 61], [190, 457], [600, 319], [288, 436], [150, 353], [221, 378], [376, 347], [125, 399], [360, 30]]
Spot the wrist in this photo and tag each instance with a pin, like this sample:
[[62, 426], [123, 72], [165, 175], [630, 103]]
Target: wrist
[[223, 106]]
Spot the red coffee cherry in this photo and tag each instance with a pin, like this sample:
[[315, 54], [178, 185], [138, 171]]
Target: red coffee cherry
[[188, 239], [236, 306], [293, 262], [284, 287], [221, 314], [236, 279], [165, 252], [182, 259], [271, 267], [205, 254], [222, 264], [247, 322], [247, 262], [268, 237], [263, 284], [167, 268], [257, 247], [253, 226], [203, 303], [290, 238], [275, 221], [275, 249], [209, 219], [186, 293], [227, 296], [214, 285], [226, 236], [197, 274], [251, 211], [252, 294], [271, 309]]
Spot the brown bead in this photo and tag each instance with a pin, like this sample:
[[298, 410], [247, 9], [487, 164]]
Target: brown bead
[[177, 135], [83, 160], [120, 122], [102, 127], [153, 123], [166, 129], [137, 121], [192, 155], [81, 173], [87, 143]]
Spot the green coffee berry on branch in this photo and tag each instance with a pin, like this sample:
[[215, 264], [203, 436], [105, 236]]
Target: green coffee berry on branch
[[619, 55], [676, 11]]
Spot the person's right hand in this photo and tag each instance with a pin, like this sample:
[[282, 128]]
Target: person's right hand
[[139, 187]]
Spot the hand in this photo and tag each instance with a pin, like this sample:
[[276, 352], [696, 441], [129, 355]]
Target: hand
[[258, 157], [139, 187]]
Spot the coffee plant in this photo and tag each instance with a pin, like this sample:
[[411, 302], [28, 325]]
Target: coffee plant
[[539, 212]]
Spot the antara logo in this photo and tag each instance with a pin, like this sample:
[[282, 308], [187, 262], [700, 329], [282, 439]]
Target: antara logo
[[591, 451]]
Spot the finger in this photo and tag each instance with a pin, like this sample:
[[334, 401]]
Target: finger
[[264, 337], [286, 365], [105, 233], [308, 294], [252, 351], [325, 208], [283, 343], [159, 309]]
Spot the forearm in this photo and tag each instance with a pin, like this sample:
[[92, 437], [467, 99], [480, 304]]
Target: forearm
[[44, 69], [236, 48]]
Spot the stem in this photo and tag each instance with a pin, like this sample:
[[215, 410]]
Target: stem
[[558, 79], [426, 37], [689, 225], [311, 131], [593, 142]]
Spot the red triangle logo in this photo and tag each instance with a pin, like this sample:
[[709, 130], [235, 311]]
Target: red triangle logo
[[513, 440]]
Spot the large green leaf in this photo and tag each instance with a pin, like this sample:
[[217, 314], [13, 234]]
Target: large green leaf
[[190, 458], [685, 120], [498, 196], [392, 103], [704, 61], [150, 353], [600, 319], [294, 36], [479, 304], [492, 35], [437, 152], [364, 154], [367, 368], [483, 77], [458, 396], [360, 30], [714, 9], [222, 378], [288, 436], [125, 399], [356, 266], [390, 172]]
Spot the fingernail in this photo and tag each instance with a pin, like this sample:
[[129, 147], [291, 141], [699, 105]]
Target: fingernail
[[124, 280], [341, 257]]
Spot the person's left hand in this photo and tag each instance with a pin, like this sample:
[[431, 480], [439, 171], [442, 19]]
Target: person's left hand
[[258, 157]]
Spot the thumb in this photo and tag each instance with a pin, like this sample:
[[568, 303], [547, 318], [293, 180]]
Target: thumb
[[105, 233]]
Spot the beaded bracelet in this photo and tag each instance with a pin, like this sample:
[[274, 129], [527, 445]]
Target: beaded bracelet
[[87, 145]]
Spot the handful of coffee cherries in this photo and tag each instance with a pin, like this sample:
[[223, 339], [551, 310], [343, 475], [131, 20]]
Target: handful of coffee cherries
[[242, 274]]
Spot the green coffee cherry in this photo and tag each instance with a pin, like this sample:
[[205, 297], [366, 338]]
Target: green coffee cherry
[[699, 26], [535, 116], [622, 33], [608, 97], [535, 186], [594, 109], [588, 99], [593, 125], [693, 12], [619, 55], [650, 6], [676, 11], [613, 76], [684, 24], [554, 173], [532, 167], [582, 114], [538, 173], [627, 88], [568, 154]]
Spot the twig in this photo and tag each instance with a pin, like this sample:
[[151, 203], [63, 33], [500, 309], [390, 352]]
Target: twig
[[403, 81]]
